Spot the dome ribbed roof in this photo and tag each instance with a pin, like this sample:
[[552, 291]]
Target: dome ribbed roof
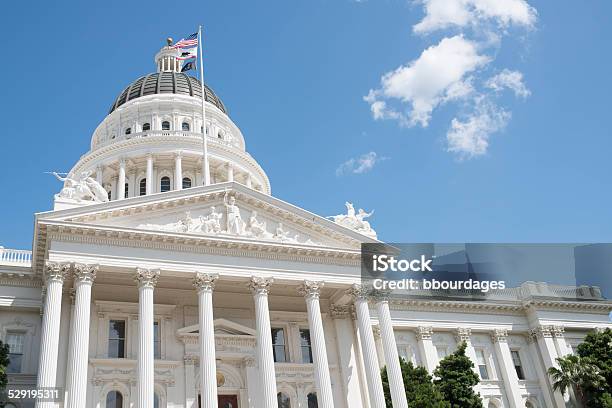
[[166, 82]]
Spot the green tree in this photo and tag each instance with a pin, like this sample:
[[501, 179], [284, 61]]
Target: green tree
[[455, 379], [4, 362], [597, 349], [420, 390], [576, 373]]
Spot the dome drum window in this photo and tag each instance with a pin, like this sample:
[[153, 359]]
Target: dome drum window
[[165, 125], [128, 131], [146, 127], [185, 127]]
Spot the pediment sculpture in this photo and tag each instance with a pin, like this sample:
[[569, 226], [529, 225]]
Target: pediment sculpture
[[355, 220], [228, 222]]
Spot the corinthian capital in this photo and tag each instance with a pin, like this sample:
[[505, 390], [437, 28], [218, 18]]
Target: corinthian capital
[[499, 335], [84, 273], [259, 285], [310, 289], [463, 334], [146, 278], [380, 295], [358, 292], [57, 271], [424, 333], [205, 281]]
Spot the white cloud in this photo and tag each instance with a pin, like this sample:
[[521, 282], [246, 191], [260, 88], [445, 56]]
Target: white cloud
[[470, 138], [359, 165], [439, 75], [512, 80], [443, 14]]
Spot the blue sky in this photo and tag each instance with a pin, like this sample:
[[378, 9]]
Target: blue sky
[[532, 80]]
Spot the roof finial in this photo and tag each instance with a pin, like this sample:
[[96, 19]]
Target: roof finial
[[169, 40]]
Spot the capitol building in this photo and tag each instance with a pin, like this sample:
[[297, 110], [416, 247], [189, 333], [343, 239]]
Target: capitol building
[[168, 275]]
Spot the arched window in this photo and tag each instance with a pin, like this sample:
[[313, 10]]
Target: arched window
[[185, 127], [528, 404], [109, 196], [146, 126], [114, 399], [186, 182], [283, 400], [312, 400], [165, 184], [128, 131], [155, 401], [165, 125], [220, 135], [143, 186], [127, 190]]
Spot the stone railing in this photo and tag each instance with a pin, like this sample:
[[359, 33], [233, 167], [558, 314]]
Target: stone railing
[[165, 133], [18, 257]]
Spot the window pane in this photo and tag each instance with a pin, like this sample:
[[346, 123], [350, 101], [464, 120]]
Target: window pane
[[186, 182], [278, 345], [165, 184], [185, 127], [155, 401], [312, 400], [283, 400], [165, 125], [127, 190], [114, 399], [306, 346], [143, 187], [146, 126], [116, 339], [14, 365]]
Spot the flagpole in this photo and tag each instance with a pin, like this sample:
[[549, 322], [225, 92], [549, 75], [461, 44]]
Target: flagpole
[[205, 167]]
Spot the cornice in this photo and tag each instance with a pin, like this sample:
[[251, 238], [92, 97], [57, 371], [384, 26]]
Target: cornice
[[200, 244]]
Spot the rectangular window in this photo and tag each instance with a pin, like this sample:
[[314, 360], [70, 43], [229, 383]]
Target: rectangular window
[[482, 364], [516, 360], [306, 346], [15, 342], [116, 339], [278, 345], [156, 340]]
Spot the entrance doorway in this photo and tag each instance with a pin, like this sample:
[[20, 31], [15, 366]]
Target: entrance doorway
[[224, 401]]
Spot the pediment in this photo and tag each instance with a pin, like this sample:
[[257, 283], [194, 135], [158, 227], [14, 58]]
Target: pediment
[[227, 210], [223, 327]]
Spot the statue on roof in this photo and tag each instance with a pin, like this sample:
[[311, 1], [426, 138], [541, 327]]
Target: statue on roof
[[81, 188], [355, 220]]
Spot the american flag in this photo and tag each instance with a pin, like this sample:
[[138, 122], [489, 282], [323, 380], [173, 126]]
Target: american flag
[[188, 42]]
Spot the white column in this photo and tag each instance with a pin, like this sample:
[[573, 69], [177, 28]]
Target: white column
[[260, 287], [375, 388], [230, 171], [394, 371], [146, 280], [542, 376], [559, 336], [464, 335], [502, 353], [149, 174], [100, 174], [346, 347], [78, 355], [427, 351], [47, 366], [205, 283], [178, 171], [546, 344], [311, 291], [121, 180]]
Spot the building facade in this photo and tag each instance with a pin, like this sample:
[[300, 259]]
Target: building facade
[[148, 286]]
